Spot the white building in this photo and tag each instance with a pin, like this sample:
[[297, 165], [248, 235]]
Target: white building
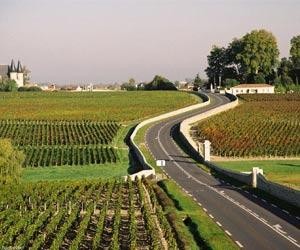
[[78, 89], [254, 88], [12, 72]]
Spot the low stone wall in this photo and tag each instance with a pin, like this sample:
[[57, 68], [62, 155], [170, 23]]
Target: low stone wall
[[141, 174], [138, 153], [287, 194], [241, 177], [186, 125]]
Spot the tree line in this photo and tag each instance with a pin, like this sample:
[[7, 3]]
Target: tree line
[[254, 58]]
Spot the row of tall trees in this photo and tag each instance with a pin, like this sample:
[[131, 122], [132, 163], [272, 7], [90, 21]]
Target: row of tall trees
[[254, 58]]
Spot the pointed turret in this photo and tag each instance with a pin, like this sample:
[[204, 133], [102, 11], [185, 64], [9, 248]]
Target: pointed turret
[[19, 68], [12, 67]]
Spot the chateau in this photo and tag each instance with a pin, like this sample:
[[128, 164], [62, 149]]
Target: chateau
[[12, 72]]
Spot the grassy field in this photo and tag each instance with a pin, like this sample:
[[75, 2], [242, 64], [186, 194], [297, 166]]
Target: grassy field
[[286, 172], [103, 106], [263, 125], [103, 171]]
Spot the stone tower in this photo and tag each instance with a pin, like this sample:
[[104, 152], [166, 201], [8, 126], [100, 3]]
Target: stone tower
[[16, 73]]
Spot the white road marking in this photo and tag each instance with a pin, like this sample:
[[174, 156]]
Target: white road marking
[[205, 209], [273, 205], [279, 228], [285, 211], [292, 238], [264, 220], [255, 196], [246, 192], [239, 244], [264, 200], [298, 218], [199, 204], [219, 224], [225, 196], [211, 216], [228, 232]]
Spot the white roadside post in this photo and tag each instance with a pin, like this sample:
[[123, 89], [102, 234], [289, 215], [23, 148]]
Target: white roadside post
[[206, 145], [255, 172], [160, 163]]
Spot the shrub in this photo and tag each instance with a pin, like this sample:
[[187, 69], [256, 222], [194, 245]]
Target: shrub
[[32, 89], [160, 83], [10, 162]]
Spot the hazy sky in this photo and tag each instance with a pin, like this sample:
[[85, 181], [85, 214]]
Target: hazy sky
[[68, 41]]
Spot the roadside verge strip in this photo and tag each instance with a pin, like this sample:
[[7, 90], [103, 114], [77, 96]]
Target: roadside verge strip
[[148, 170]]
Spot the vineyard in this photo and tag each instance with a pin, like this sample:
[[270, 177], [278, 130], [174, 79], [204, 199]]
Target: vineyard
[[263, 125], [69, 155], [83, 215], [58, 143], [120, 106], [36, 133]]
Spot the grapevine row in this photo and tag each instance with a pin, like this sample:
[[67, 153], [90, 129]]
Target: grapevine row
[[69, 155], [82, 215], [37, 133], [264, 125]]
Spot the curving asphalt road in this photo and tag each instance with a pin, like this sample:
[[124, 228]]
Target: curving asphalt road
[[252, 222]]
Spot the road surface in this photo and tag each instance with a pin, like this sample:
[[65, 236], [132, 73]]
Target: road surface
[[252, 222]]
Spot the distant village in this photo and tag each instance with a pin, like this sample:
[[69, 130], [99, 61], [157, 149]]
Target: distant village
[[18, 74]]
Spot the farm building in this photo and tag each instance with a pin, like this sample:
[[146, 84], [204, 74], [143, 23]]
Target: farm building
[[12, 72], [254, 88]]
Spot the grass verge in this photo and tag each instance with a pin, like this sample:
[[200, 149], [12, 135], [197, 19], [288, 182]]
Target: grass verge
[[195, 230], [74, 172], [102, 171], [285, 172]]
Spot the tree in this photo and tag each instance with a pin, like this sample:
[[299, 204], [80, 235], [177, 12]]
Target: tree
[[259, 54], [8, 85], [295, 57], [231, 83], [160, 83], [197, 82], [284, 72], [26, 74], [129, 86], [259, 78], [234, 67], [216, 64], [11, 161]]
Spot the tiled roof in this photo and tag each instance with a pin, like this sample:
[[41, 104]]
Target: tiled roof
[[253, 85]]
